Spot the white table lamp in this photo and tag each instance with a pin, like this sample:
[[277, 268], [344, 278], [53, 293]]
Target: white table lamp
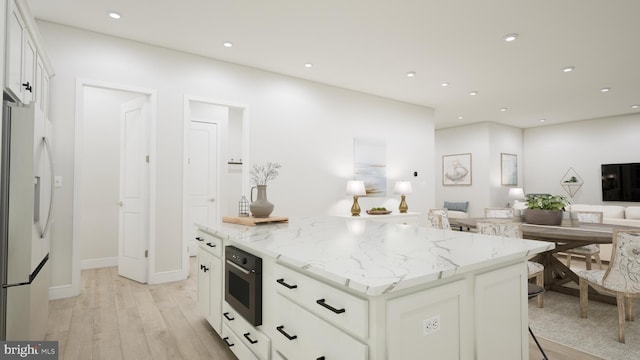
[[355, 188], [403, 188]]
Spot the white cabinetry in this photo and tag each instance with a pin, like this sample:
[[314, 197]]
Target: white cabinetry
[[210, 279], [20, 54], [245, 337], [431, 322], [315, 319]]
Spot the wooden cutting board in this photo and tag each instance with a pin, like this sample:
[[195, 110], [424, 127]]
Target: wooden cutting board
[[251, 221]]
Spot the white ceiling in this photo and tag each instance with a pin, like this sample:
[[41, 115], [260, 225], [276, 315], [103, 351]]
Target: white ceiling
[[370, 46]]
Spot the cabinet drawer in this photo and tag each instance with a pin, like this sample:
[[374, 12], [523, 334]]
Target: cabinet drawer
[[236, 346], [335, 306], [210, 243], [251, 337], [302, 335]]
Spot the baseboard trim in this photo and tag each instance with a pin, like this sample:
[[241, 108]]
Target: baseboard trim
[[62, 292], [98, 263], [166, 277]]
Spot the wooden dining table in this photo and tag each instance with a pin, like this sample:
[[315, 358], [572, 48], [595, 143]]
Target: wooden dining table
[[567, 236]]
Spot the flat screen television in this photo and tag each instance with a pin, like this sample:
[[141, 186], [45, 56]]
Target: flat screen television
[[621, 182]]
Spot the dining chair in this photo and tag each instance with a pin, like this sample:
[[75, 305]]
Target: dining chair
[[591, 250], [498, 213], [439, 219], [620, 279], [509, 229]]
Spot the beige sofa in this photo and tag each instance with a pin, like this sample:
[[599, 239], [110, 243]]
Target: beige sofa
[[614, 215]]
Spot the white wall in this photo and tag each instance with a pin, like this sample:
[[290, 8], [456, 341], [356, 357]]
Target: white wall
[[583, 145], [485, 141], [307, 127]]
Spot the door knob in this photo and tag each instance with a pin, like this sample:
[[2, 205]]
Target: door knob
[[120, 203], [212, 199]]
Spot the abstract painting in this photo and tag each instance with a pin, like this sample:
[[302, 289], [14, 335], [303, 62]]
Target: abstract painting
[[370, 165], [509, 166], [456, 169]]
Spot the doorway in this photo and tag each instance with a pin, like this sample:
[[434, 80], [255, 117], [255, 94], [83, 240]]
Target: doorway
[[215, 139], [113, 178]]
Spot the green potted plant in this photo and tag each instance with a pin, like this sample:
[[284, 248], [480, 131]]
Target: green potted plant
[[544, 209]]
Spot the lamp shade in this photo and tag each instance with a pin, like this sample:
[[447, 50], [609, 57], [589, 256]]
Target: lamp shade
[[516, 194], [356, 188], [402, 187]]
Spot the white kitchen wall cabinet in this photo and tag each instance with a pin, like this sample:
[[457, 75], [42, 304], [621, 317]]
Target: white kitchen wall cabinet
[[20, 54]]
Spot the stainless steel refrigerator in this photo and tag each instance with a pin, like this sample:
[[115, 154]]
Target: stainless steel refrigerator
[[26, 203]]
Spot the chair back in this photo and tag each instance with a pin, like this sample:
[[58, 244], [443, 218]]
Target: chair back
[[592, 217], [508, 229], [498, 213], [623, 274], [439, 219]]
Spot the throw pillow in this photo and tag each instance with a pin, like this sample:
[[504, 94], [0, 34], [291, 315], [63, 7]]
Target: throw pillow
[[456, 206]]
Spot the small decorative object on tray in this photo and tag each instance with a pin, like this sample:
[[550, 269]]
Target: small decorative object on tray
[[378, 211]]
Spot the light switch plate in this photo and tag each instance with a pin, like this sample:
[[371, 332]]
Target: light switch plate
[[58, 181]]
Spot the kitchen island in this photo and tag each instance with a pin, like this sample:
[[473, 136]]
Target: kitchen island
[[357, 289]]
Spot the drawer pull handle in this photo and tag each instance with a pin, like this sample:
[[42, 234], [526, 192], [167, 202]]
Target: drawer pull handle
[[320, 358], [246, 336], [199, 238], [228, 317], [322, 303], [279, 328], [226, 341], [281, 282], [211, 245]]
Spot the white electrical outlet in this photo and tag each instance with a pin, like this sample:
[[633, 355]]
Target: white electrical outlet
[[430, 325], [58, 181]]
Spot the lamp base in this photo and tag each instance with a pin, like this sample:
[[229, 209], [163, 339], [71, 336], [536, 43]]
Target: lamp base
[[355, 209], [403, 205]]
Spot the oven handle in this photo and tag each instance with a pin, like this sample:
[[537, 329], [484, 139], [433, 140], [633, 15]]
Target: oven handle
[[245, 271]]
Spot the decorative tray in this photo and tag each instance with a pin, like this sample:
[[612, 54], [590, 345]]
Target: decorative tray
[[378, 212]]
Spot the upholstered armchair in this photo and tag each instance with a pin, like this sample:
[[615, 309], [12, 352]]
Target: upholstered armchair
[[591, 250], [621, 279], [498, 213], [439, 219]]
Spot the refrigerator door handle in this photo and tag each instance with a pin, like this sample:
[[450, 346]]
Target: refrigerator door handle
[[52, 191]]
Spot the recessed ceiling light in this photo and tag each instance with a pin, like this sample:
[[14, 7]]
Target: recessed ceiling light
[[227, 44], [114, 15], [460, 118], [568, 69], [473, 93], [635, 106], [503, 109], [308, 65], [510, 37], [604, 90], [444, 84], [542, 120], [411, 74]]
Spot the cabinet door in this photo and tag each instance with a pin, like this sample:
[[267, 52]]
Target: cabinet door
[[501, 319], [14, 54], [28, 69], [204, 283], [215, 294], [433, 324]]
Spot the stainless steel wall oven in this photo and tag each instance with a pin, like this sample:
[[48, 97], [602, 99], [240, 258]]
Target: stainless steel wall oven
[[243, 283]]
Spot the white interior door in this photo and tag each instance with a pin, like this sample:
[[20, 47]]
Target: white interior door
[[133, 234], [202, 177]]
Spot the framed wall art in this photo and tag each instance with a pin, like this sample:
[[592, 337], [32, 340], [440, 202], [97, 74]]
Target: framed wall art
[[370, 165], [509, 168], [456, 169]]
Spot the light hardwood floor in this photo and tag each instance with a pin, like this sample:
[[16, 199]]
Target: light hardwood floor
[[116, 318]]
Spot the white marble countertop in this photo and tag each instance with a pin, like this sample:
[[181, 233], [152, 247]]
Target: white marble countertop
[[375, 257]]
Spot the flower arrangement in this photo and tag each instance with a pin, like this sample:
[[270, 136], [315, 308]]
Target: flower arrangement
[[261, 174]]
